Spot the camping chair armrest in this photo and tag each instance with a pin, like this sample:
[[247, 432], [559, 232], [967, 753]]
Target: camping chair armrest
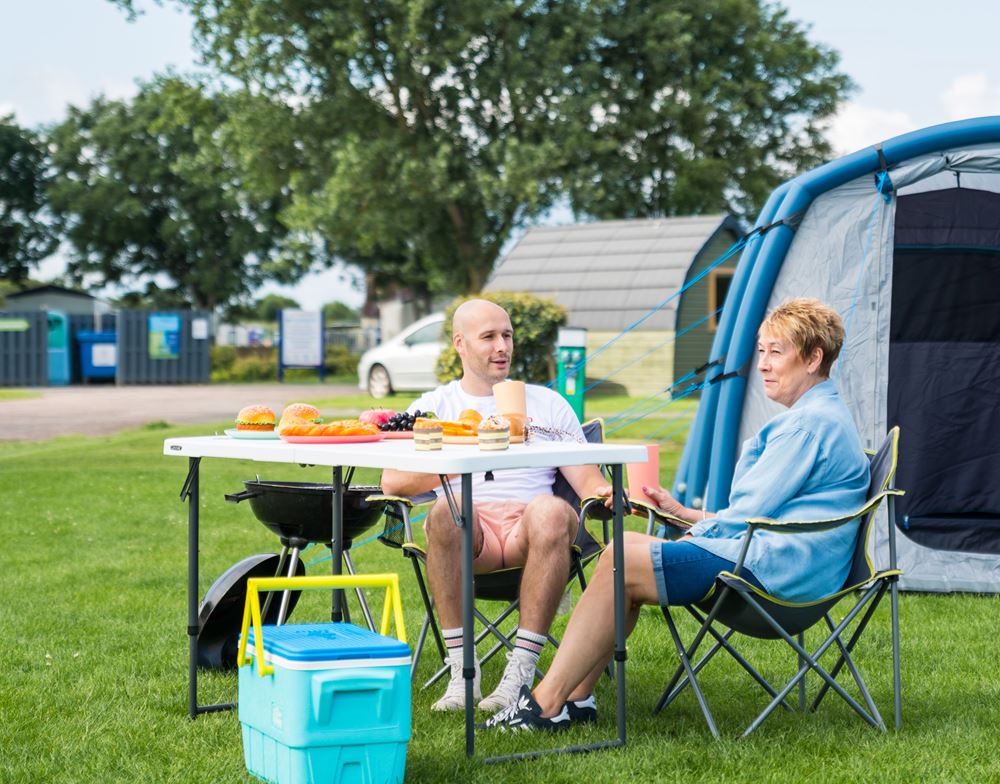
[[409, 500], [401, 507], [594, 507], [801, 526], [673, 521]]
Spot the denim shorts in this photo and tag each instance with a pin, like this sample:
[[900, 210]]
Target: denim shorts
[[685, 572]]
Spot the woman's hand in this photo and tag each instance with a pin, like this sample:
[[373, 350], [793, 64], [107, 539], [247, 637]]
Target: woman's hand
[[664, 500]]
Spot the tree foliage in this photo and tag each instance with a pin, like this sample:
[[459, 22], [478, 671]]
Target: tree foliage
[[536, 322], [25, 237], [700, 106], [339, 312], [430, 129], [151, 194], [270, 305]]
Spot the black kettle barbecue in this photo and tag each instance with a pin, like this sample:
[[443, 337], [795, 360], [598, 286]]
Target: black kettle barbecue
[[303, 510], [301, 513]]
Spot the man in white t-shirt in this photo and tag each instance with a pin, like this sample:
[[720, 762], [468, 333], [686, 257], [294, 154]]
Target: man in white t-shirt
[[516, 519]]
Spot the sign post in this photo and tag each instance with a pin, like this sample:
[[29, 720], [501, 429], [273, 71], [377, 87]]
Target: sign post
[[301, 341]]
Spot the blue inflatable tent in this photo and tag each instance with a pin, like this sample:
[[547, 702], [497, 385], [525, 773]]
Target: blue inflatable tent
[[903, 239]]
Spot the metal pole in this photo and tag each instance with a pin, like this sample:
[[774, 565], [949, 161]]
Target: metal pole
[[192, 499], [337, 538], [619, 567], [468, 648]]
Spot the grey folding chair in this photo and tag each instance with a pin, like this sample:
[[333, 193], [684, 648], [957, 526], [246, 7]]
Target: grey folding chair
[[502, 585], [742, 608]]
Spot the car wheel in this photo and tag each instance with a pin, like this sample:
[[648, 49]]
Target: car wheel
[[379, 384]]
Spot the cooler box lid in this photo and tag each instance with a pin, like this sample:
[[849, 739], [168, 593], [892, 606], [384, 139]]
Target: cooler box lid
[[327, 642]]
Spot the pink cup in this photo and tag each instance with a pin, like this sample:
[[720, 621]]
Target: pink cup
[[510, 397], [644, 474]]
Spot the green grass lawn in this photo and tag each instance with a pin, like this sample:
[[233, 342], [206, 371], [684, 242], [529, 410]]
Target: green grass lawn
[[93, 675]]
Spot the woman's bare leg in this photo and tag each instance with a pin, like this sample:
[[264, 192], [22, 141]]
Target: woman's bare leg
[[589, 641]]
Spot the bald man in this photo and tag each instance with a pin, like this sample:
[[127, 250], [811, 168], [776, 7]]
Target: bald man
[[516, 519]]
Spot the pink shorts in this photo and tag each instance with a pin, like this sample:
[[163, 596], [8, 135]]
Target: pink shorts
[[500, 528]]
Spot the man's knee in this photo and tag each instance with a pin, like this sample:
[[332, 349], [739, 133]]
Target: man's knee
[[549, 521], [440, 524]]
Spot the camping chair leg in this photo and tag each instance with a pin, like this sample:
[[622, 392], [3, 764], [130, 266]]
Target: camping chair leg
[[846, 650], [723, 641], [686, 664], [677, 683], [362, 601], [419, 648], [490, 629], [897, 687], [802, 682], [812, 663], [429, 617]]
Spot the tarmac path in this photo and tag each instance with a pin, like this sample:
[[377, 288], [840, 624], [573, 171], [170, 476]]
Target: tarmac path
[[97, 410]]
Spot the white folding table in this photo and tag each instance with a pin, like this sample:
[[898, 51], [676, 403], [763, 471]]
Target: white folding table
[[401, 455]]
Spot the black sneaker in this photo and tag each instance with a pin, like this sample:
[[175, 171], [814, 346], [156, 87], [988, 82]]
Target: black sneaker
[[525, 714], [582, 711]]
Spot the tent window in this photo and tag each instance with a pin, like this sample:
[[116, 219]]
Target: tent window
[[718, 288]]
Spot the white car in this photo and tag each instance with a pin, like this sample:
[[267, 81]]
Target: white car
[[405, 362]]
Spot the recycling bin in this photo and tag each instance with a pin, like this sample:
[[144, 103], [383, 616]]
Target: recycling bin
[[98, 355]]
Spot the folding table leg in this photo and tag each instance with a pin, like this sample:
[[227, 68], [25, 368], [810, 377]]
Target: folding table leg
[[189, 493]]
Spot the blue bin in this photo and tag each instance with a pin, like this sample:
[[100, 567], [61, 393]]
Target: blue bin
[[98, 354], [335, 709]]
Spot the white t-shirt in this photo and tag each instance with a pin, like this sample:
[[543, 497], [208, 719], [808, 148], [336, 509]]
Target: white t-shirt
[[545, 408]]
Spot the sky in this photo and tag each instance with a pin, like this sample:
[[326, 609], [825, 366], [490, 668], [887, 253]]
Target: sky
[[914, 65]]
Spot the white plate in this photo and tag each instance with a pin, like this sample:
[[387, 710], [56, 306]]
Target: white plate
[[253, 435]]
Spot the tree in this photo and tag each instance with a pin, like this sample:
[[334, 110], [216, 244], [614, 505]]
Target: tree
[[338, 311], [269, 305], [700, 106], [434, 129], [150, 194], [25, 237]]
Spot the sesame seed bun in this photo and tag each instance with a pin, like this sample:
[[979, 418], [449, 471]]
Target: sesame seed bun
[[301, 411]]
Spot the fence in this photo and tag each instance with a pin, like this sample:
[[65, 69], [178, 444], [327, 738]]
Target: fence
[[24, 355], [187, 362]]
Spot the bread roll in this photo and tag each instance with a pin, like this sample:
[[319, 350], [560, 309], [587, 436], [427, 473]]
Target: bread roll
[[301, 411]]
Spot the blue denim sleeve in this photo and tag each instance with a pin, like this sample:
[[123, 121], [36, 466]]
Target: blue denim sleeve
[[775, 478]]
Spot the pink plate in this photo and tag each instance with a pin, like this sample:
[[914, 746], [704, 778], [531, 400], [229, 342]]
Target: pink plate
[[333, 439], [398, 434]]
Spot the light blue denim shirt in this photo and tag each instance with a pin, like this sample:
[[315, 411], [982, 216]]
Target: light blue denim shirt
[[805, 464]]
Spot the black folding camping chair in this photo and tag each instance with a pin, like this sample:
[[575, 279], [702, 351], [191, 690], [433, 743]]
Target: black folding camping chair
[[743, 608]]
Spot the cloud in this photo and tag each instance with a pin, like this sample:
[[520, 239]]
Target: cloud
[[42, 96], [856, 126], [971, 95]]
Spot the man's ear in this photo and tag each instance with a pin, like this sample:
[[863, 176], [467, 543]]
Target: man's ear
[[456, 341]]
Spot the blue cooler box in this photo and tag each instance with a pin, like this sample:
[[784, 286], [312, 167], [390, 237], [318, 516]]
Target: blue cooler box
[[335, 709]]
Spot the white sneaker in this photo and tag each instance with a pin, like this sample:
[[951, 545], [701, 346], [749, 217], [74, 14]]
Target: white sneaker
[[454, 695], [520, 671]]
